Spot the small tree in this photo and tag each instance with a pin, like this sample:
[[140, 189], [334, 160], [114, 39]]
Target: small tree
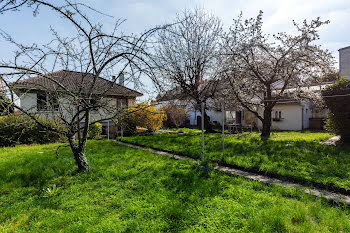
[[148, 116], [261, 69], [125, 123], [95, 130], [176, 115], [89, 50], [337, 99]]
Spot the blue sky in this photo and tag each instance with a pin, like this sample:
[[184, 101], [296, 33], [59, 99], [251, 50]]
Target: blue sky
[[142, 15]]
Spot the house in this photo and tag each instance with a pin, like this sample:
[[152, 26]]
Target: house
[[287, 114], [292, 114], [296, 115], [214, 112], [45, 97]]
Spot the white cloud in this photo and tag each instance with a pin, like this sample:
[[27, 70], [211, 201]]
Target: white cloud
[[279, 14]]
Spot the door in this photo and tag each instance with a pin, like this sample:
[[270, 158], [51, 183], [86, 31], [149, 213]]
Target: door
[[199, 121], [238, 117]]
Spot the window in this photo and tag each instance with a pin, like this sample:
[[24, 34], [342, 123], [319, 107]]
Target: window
[[93, 103], [277, 116], [122, 103], [46, 102], [41, 102]]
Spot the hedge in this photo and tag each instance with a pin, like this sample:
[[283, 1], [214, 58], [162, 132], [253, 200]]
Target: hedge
[[20, 129], [337, 99]]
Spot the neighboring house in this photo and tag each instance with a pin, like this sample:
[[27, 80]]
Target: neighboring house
[[214, 112], [288, 114], [298, 115], [291, 114], [344, 61], [35, 97]]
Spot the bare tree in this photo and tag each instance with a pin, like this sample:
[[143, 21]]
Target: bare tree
[[77, 91], [186, 58], [176, 115], [13, 5], [262, 70]]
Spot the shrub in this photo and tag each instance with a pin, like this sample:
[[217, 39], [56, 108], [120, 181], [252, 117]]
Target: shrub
[[20, 129], [95, 130], [176, 115], [331, 124], [5, 109], [148, 116], [336, 98], [125, 121]]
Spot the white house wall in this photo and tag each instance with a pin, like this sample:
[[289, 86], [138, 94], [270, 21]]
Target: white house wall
[[193, 117], [28, 102], [213, 115], [291, 114]]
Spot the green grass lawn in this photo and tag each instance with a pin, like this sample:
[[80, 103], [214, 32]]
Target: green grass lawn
[[296, 154], [132, 190]]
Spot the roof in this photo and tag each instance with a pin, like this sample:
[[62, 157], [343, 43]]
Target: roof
[[279, 84], [348, 47], [73, 81], [173, 94]]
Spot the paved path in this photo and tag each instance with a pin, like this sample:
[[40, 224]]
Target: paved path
[[333, 141], [267, 180], [162, 131]]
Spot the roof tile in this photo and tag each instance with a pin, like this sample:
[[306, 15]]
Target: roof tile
[[74, 81]]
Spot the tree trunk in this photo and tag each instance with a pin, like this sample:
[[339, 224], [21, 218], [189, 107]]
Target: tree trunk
[[81, 161], [79, 156], [266, 130]]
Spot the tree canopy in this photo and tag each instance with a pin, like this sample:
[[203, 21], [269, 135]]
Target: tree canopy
[[99, 56], [261, 70]]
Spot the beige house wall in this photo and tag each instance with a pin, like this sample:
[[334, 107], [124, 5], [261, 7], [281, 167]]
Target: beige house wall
[[28, 102]]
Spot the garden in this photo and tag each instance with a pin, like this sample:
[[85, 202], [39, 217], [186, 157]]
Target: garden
[[130, 190], [297, 155]]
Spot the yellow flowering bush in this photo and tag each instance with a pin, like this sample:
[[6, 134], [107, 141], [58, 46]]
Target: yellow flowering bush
[[148, 116]]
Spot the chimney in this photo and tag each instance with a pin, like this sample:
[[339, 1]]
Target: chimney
[[121, 79], [344, 57]]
